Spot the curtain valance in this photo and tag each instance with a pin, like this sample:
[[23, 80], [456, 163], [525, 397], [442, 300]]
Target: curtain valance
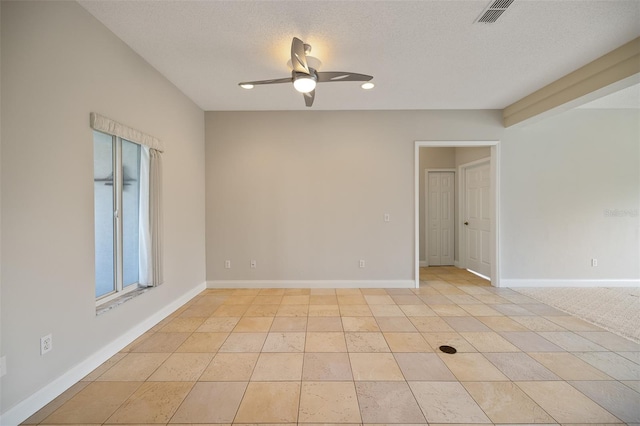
[[111, 127]]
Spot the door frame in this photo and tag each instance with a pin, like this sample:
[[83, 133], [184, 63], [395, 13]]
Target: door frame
[[426, 210], [462, 189], [494, 200]]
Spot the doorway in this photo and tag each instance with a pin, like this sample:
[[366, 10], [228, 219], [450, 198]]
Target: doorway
[[489, 238]]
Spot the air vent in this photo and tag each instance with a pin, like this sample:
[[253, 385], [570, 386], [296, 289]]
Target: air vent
[[494, 11], [501, 4]]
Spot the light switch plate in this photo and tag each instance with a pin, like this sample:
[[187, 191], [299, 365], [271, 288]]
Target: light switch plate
[[3, 365]]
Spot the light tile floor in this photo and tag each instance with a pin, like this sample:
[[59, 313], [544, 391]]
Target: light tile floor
[[363, 356]]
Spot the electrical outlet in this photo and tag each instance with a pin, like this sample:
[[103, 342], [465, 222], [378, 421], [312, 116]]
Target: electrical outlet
[[227, 264], [253, 264], [46, 344], [3, 365], [387, 218], [362, 263], [594, 262]]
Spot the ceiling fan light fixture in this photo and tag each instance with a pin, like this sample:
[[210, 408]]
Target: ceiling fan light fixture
[[368, 85], [304, 75], [304, 84]]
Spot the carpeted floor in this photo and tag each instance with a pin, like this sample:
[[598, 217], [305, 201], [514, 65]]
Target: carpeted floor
[[614, 309]]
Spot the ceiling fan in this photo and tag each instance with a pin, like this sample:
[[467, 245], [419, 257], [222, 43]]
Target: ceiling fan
[[304, 78]]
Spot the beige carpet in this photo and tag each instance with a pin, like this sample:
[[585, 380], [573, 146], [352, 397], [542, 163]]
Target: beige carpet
[[614, 309]]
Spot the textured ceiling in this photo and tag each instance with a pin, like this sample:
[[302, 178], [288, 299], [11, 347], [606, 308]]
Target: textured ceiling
[[422, 54]]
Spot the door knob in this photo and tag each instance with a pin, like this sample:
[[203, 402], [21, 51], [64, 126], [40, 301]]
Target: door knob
[[466, 223]]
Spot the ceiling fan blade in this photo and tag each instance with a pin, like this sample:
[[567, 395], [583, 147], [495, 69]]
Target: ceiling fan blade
[[298, 57], [328, 76], [309, 97], [272, 81]]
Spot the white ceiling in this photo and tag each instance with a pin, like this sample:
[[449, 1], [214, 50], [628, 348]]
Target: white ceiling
[[423, 54]]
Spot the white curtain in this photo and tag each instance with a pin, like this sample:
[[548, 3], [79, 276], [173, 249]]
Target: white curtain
[[155, 215], [145, 269], [150, 266]]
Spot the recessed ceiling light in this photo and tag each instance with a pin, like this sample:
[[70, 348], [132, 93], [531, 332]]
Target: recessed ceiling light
[[247, 86], [368, 85]]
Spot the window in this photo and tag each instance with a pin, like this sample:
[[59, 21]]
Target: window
[[117, 210], [127, 213]]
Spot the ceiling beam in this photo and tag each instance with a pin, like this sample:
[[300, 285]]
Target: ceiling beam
[[616, 65]]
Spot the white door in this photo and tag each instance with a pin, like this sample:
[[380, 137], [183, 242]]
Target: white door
[[476, 219], [440, 222]]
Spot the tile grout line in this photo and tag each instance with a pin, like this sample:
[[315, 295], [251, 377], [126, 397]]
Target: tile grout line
[[304, 351]]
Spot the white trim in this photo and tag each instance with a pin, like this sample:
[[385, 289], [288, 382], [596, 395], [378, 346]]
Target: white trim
[[460, 240], [495, 205], [426, 210], [549, 283], [424, 264], [495, 215], [461, 144], [106, 299], [48, 393], [416, 214], [310, 284]]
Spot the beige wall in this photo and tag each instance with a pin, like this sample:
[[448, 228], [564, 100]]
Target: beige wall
[[469, 154], [58, 65], [304, 193], [559, 178], [1, 345]]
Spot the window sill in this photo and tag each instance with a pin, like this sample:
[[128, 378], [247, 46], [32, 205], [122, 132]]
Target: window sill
[[107, 306]]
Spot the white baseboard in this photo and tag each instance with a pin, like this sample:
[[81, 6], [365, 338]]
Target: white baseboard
[[547, 283], [457, 264], [311, 284], [425, 264], [48, 393]]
